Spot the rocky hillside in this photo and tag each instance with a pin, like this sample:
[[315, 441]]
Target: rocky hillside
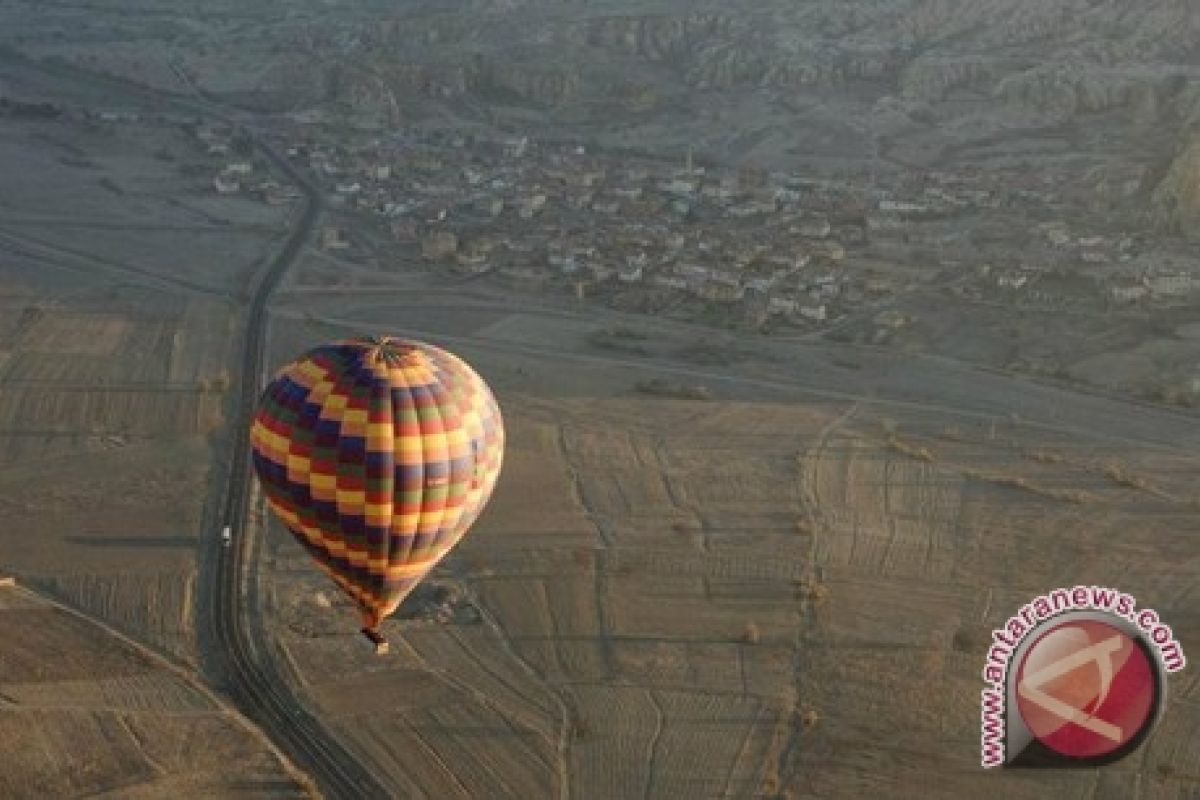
[[1177, 197], [1106, 93], [1070, 56], [924, 81]]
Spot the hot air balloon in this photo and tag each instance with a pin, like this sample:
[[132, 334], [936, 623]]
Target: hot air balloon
[[377, 454]]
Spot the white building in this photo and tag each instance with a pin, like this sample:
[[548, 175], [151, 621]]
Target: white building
[[782, 305], [724, 277], [1058, 235], [1128, 290], [516, 147], [752, 208], [693, 274], [334, 238], [815, 313], [630, 273], [1171, 285], [1012, 280], [902, 207], [815, 227], [601, 271], [721, 292], [679, 187], [225, 183], [884, 222], [670, 281]]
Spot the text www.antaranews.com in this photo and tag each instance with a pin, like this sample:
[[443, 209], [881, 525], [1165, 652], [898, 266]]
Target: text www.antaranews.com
[[1005, 641]]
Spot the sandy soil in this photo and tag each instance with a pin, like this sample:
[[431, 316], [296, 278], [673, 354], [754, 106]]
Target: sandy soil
[[776, 593], [104, 424], [116, 332], [735, 598], [85, 712]]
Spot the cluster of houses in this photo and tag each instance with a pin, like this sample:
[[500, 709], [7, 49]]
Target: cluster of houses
[[1130, 288], [1093, 268], [238, 174], [533, 212], [544, 213]]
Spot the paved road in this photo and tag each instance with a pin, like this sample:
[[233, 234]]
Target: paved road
[[253, 681], [886, 379], [251, 677], [65, 258], [246, 673], [914, 383]]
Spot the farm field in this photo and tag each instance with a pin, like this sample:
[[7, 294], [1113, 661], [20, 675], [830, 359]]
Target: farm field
[[723, 560], [86, 712], [738, 597], [115, 368]]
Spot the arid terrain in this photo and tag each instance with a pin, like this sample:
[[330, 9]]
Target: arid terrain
[[117, 306], [768, 593], [88, 712], [752, 532]]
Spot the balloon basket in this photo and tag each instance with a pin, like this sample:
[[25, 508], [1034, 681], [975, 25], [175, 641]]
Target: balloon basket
[[376, 638]]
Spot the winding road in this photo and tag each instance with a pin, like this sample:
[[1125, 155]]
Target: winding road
[[251, 678], [240, 658], [246, 673]]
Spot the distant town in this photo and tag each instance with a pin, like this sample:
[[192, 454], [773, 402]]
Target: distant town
[[821, 337], [746, 247]]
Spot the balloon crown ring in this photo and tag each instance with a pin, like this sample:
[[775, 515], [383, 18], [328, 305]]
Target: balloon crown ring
[[393, 352]]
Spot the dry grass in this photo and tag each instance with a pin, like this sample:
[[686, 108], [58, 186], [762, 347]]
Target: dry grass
[[623, 567], [1113, 470], [665, 388], [580, 729], [772, 782], [912, 451], [476, 566], [582, 557], [217, 384], [692, 533], [626, 332], [1117, 473], [1075, 496], [1044, 456], [953, 433], [810, 718], [621, 340], [815, 592], [75, 683]]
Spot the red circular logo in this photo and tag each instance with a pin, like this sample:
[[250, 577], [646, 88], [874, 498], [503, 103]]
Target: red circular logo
[[1086, 689]]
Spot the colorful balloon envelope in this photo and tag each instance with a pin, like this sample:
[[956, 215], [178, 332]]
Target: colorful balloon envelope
[[377, 454]]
